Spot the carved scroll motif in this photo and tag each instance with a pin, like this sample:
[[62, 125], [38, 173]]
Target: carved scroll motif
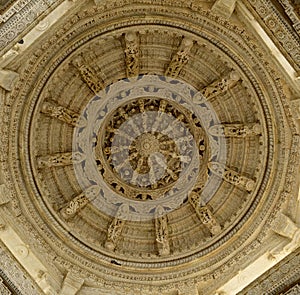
[[204, 213], [115, 229], [220, 86], [61, 113], [60, 159], [235, 130], [162, 233], [79, 202], [88, 75], [132, 54], [232, 176], [180, 58]]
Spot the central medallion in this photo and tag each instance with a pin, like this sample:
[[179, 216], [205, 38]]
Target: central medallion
[[146, 144]]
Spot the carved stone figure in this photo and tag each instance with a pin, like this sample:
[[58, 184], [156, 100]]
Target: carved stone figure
[[60, 159], [180, 58], [235, 130], [132, 54], [204, 213], [232, 176], [220, 86], [115, 229], [161, 226], [88, 75], [61, 113]]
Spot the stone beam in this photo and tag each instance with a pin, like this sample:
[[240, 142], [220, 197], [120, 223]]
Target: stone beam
[[224, 8], [71, 284]]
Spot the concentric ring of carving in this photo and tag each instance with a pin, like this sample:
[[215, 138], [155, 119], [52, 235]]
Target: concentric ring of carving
[[148, 145], [151, 145]]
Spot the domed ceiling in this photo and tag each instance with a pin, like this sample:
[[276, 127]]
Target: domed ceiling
[[148, 147]]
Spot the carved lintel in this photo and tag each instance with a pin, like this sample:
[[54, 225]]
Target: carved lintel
[[8, 79], [61, 113], [180, 58], [72, 284], [295, 108], [88, 75], [115, 228], [162, 233], [204, 213], [224, 8], [132, 54], [235, 130], [232, 176], [220, 86], [79, 202], [60, 159]]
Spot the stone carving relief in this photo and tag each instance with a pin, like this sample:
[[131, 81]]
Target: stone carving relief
[[235, 130], [204, 213], [224, 8], [88, 75], [60, 159], [61, 113], [232, 176], [115, 228], [132, 54], [79, 202], [162, 233], [180, 58], [72, 284], [220, 86]]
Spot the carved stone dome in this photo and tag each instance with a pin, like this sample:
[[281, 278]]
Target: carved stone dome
[[148, 155]]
